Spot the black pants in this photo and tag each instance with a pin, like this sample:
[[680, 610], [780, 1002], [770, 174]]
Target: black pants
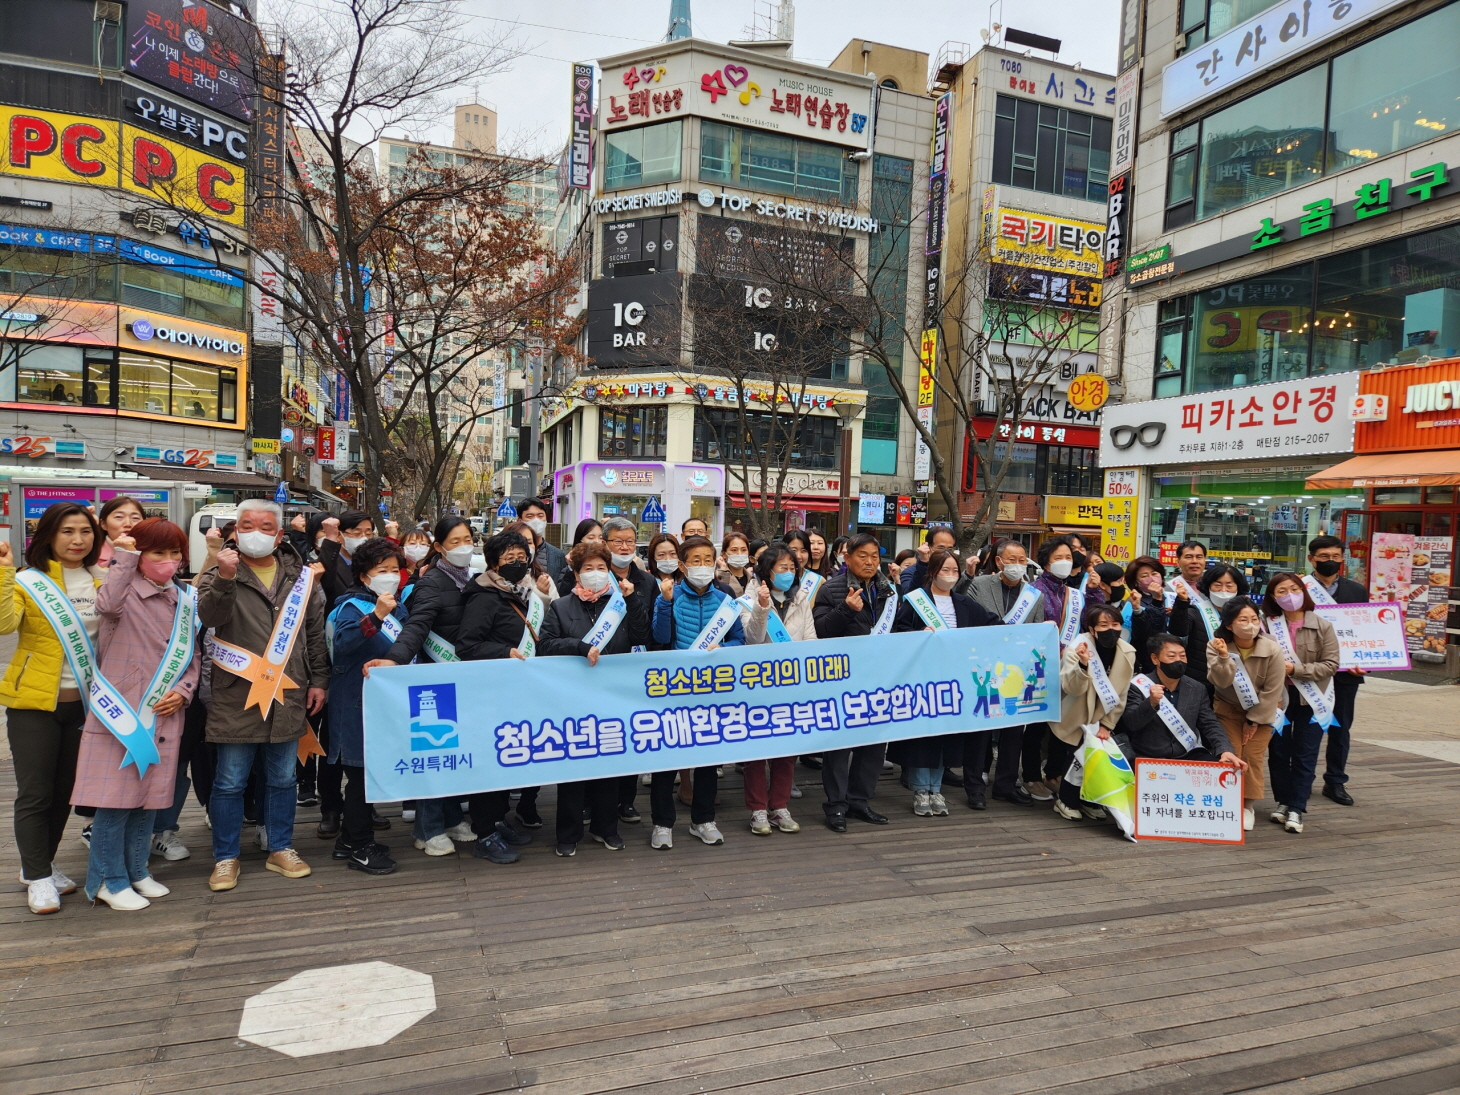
[[628, 791], [327, 776], [1057, 757], [487, 809], [849, 777], [661, 797], [355, 819], [197, 754], [528, 796], [976, 760], [601, 795], [1345, 691], [43, 747], [1035, 735]]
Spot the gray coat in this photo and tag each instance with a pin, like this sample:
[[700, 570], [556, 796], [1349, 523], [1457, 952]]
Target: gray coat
[[988, 591]]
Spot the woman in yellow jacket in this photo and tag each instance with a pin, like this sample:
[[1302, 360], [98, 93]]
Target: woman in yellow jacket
[[46, 703]]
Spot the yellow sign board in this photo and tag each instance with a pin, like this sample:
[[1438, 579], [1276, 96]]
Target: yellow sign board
[[1088, 392], [928, 368], [266, 444], [1060, 510], [1044, 241], [1118, 531]]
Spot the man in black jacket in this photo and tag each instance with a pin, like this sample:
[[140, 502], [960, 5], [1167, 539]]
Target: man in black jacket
[[851, 604], [1325, 559], [1142, 727]]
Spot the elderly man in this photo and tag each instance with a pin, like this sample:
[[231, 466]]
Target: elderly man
[[245, 598]]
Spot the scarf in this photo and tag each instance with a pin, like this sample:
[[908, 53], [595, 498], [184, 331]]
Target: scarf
[[588, 596], [490, 579], [459, 575]]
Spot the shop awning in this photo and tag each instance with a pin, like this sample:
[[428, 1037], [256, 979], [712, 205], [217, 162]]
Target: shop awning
[[736, 499], [228, 480], [1392, 469]]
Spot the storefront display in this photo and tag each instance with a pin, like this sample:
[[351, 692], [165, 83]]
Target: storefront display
[[655, 496]]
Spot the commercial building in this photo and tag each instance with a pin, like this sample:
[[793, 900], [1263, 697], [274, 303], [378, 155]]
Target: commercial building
[[1290, 231]]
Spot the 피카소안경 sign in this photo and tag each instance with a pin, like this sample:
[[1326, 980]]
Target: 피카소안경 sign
[[460, 728]]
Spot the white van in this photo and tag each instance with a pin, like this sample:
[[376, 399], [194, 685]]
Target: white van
[[212, 516]]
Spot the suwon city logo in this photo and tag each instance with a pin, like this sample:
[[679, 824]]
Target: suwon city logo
[[433, 718]]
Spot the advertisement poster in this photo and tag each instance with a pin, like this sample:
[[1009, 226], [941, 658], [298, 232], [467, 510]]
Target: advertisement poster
[[1188, 800], [1389, 571], [1370, 636], [197, 50], [36, 500], [1428, 599]]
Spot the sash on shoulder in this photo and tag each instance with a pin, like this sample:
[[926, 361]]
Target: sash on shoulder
[[1074, 609], [923, 605], [613, 615], [1098, 676], [775, 627], [1211, 619], [811, 582], [720, 622], [1178, 726], [1315, 589], [1242, 682], [265, 672], [389, 627], [438, 649], [1321, 700], [58, 611], [1028, 597], [536, 610], [883, 626]]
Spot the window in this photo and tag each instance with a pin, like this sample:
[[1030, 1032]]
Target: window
[[1023, 474], [718, 439], [64, 275], [1073, 471], [1203, 19], [641, 157], [776, 163], [632, 433], [1051, 149], [1391, 93], [38, 372], [892, 179], [181, 389], [160, 289], [1039, 469]]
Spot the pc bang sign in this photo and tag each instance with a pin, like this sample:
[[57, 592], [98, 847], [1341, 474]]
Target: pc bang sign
[[458, 728]]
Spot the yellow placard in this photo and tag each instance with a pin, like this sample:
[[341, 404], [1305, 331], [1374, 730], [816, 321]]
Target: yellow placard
[[42, 144], [1044, 241], [1088, 392], [1123, 489], [266, 444], [928, 367], [182, 177], [1060, 510]]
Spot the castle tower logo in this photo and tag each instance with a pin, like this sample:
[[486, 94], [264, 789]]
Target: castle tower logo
[[433, 718]]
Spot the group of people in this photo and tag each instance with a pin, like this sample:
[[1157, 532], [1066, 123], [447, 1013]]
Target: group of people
[[251, 676]]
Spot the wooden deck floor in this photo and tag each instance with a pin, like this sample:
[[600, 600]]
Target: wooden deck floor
[[1007, 951]]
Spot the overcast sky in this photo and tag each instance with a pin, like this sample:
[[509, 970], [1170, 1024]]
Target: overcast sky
[[532, 98]]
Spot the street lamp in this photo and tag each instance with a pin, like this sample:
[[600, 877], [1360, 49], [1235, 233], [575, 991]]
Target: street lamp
[[848, 413]]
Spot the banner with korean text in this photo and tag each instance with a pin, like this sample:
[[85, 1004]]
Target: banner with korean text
[[458, 728]]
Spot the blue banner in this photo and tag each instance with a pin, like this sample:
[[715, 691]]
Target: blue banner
[[457, 728]]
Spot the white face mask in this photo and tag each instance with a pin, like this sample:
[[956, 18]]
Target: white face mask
[[416, 552], [945, 582], [667, 566], [537, 525], [593, 580], [1061, 568], [458, 556], [622, 560], [738, 560], [1219, 598], [381, 584], [700, 576], [256, 545], [1015, 572], [355, 543]]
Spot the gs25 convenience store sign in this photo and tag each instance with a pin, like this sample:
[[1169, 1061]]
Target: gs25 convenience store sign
[[72, 148]]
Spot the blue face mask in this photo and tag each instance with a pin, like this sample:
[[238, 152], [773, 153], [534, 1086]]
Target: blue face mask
[[783, 580]]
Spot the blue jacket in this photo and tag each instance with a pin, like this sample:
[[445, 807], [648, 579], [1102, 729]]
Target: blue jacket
[[357, 641], [678, 623]]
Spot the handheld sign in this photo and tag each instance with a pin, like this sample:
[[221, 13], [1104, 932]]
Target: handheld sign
[[1193, 800]]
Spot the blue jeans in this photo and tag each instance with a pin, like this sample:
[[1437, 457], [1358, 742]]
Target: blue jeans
[[166, 820], [925, 780], [225, 805], [435, 815], [1292, 757], [120, 843]]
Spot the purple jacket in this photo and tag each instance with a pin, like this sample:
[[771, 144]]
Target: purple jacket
[[1054, 590], [143, 612]]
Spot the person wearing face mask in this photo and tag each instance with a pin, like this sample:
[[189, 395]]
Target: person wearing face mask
[[835, 561], [621, 537], [550, 560], [1310, 659], [147, 620], [1197, 612], [664, 563], [1142, 607], [1193, 733], [363, 625], [1097, 656], [1245, 667], [242, 598], [431, 629], [570, 621], [733, 571], [1325, 559], [317, 529], [415, 547], [915, 576], [693, 526], [588, 531], [338, 578], [1080, 559]]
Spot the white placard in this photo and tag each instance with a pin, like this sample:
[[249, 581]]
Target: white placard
[[1123, 141], [1291, 418], [922, 456], [1188, 800], [1278, 34], [1370, 636]]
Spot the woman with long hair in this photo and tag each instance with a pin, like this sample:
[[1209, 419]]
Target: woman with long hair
[[733, 569], [415, 545], [1197, 612], [1095, 674], [1245, 668], [816, 552]]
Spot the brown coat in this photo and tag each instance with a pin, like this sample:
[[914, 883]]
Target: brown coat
[[242, 612], [1080, 705], [1317, 649], [1265, 666], [143, 613]]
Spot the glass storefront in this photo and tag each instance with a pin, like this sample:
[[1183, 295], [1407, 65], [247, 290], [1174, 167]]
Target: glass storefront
[[642, 157]]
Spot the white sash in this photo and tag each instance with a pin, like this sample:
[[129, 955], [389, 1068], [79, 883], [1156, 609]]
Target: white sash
[[775, 627], [1242, 683], [1320, 595], [1101, 679], [1169, 715], [810, 582], [389, 627], [1074, 609], [265, 672], [720, 622], [1028, 597], [923, 605], [1321, 700], [536, 609], [136, 728], [1211, 619], [612, 615], [58, 611], [889, 613], [438, 649]]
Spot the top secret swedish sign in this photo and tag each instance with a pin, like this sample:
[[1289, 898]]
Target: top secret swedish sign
[[458, 728]]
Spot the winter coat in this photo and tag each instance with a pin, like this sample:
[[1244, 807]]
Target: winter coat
[[1141, 725], [1317, 648], [678, 623], [357, 640], [966, 610], [435, 605], [136, 624], [338, 577], [33, 679], [732, 585], [1080, 704], [491, 623], [795, 612], [988, 591], [552, 561], [1148, 622], [1186, 624], [835, 619], [1265, 667], [937, 750], [242, 612], [570, 618]]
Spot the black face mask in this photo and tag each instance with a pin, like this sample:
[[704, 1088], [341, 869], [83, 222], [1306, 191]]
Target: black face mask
[[1081, 559], [1106, 640], [1327, 568], [1174, 670], [1117, 594], [513, 572]]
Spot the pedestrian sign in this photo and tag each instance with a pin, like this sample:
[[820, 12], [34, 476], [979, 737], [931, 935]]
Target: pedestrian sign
[[653, 513], [506, 509], [281, 494]]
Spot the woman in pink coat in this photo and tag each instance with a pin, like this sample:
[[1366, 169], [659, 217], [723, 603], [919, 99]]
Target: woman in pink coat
[[138, 605]]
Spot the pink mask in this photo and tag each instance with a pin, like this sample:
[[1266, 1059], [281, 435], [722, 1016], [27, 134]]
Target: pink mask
[[1290, 601], [159, 570]]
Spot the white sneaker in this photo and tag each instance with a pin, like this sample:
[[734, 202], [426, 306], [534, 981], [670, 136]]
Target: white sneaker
[[262, 836], [169, 847], [1279, 815], [707, 832], [127, 900], [783, 821], [1066, 812], [760, 823], [1249, 818], [921, 804], [1039, 791], [150, 887], [408, 815], [208, 821], [1294, 823], [440, 844], [462, 831], [939, 805], [795, 791], [646, 779], [63, 884], [42, 897], [1094, 813], [662, 837]]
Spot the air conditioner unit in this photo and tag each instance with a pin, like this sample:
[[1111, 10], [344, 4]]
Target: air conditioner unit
[[107, 11]]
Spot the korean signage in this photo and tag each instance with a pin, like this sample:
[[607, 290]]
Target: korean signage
[[1188, 800], [342, 399], [51, 239], [1117, 221], [1153, 265], [748, 92], [187, 124], [270, 163], [654, 240], [1124, 136], [167, 336], [1083, 91], [580, 154], [938, 178], [1272, 38], [71, 148], [1122, 512], [1295, 418], [870, 508], [1427, 601], [325, 448], [1373, 636], [1044, 287], [634, 320], [265, 444], [1047, 242], [195, 49], [1131, 12], [1422, 411], [1060, 510]]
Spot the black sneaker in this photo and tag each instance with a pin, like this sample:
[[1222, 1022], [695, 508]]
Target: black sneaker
[[528, 815], [566, 850], [86, 836], [512, 836], [371, 858], [612, 843], [343, 849], [494, 849], [329, 825], [812, 762], [307, 799], [630, 814], [976, 802], [377, 822]]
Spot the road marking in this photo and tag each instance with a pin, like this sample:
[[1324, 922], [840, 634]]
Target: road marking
[[337, 1007]]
